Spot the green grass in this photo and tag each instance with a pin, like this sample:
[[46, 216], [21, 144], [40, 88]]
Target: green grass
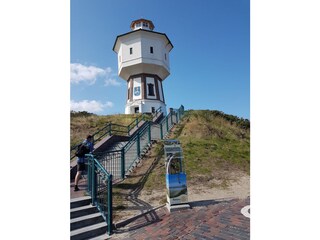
[[214, 144], [83, 124], [156, 178], [212, 148]]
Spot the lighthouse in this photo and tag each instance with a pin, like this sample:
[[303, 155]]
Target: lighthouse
[[143, 62]]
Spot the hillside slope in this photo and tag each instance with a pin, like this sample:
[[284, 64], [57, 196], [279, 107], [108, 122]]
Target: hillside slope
[[216, 150], [84, 123], [214, 144]]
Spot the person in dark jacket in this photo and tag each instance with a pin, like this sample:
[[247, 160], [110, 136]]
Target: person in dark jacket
[[81, 166]]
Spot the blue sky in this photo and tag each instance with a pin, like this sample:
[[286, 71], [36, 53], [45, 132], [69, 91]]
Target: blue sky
[[210, 61]]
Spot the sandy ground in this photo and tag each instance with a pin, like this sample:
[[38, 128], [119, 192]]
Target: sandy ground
[[238, 188]]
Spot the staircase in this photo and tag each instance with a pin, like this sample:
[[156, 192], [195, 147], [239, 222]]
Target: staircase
[[86, 222]]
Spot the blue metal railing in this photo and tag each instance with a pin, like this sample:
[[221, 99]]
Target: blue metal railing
[[157, 113], [111, 161], [105, 167], [135, 123], [113, 129], [133, 149], [167, 123], [118, 162], [100, 188], [109, 129]]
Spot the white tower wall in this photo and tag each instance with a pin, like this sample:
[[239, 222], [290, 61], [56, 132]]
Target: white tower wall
[[134, 54], [143, 61]]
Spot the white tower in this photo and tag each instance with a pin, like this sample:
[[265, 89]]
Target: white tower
[[143, 61]]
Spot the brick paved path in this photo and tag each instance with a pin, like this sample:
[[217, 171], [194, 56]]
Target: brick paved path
[[206, 220]]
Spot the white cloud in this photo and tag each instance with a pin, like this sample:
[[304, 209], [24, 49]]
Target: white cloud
[[80, 73], [111, 82], [89, 74], [90, 106], [109, 104]]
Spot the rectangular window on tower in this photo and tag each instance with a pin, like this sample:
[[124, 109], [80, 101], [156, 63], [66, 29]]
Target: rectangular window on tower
[[151, 49], [130, 50], [150, 89]]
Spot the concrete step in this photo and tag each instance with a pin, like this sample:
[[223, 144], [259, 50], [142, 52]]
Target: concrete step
[[79, 202], [86, 220], [117, 146], [101, 237], [89, 232], [82, 211]]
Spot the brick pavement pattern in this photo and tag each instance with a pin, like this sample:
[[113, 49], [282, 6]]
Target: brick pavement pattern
[[205, 220]]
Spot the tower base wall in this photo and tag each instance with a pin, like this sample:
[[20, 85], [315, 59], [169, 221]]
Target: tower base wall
[[145, 106]]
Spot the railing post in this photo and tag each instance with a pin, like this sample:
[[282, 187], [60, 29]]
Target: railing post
[[94, 184], [171, 118], [167, 124], [161, 131], [138, 144], [136, 122], [89, 172], [122, 163], [149, 132], [110, 204], [110, 129]]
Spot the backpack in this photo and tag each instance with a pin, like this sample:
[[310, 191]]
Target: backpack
[[82, 150]]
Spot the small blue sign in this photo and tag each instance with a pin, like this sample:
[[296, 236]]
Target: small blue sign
[[136, 91]]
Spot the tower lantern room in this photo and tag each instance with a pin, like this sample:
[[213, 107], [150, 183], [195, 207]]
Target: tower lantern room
[[143, 62]]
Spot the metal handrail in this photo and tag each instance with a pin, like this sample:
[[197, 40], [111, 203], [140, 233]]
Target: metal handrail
[[138, 139], [159, 109], [133, 137], [100, 188], [100, 180], [135, 123], [111, 130]]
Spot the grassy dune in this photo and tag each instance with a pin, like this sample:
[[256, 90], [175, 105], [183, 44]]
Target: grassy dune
[[213, 145], [83, 123]]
